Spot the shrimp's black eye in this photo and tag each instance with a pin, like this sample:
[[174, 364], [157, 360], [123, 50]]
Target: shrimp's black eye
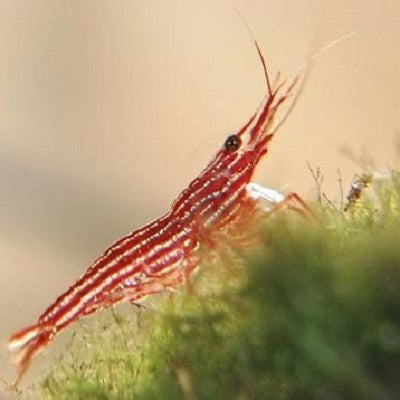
[[232, 143]]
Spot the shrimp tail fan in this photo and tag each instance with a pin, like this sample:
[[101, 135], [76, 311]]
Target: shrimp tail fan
[[25, 343]]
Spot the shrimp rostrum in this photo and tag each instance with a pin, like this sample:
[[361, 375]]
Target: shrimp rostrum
[[164, 252]]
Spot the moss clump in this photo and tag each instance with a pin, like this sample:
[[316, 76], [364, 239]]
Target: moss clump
[[315, 314]]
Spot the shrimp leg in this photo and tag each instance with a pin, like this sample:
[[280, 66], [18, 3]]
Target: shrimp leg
[[272, 196], [160, 283]]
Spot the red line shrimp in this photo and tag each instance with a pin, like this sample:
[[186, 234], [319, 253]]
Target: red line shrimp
[[164, 252]]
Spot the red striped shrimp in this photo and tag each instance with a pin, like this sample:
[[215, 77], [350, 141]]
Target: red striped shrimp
[[163, 253]]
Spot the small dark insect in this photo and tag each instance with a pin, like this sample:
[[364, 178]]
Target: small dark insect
[[357, 187]]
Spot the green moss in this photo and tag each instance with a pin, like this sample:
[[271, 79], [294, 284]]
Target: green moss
[[312, 313]]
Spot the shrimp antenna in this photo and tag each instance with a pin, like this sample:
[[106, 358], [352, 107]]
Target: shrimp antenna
[[306, 67], [260, 54], [329, 45]]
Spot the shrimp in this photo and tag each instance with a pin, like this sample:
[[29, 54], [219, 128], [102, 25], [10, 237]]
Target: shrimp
[[163, 253]]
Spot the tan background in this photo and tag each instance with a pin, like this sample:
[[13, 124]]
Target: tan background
[[109, 108]]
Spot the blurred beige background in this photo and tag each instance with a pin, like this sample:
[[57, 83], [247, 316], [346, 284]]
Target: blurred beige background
[[109, 108]]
